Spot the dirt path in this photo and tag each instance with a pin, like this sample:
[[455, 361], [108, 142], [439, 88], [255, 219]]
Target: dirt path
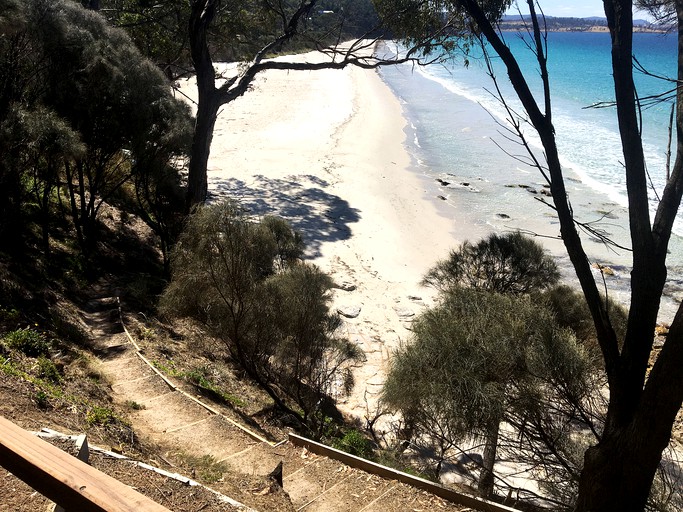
[[177, 424]]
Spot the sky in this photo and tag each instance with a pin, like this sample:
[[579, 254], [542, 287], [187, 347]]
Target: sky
[[569, 9]]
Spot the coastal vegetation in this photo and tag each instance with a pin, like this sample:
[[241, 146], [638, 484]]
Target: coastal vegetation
[[244, 280], [86, 122], [92, 148], [618, 470], [508, 357], [93, 151]]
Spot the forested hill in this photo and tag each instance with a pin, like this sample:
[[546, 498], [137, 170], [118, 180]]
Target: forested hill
[[555, 24]]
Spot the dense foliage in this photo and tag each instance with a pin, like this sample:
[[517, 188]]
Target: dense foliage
[[84, 118], [244, 281], [480, 360], [509, 263], [498, 359]]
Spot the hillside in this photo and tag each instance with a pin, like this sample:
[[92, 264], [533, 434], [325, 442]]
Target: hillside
[[68, 364], [590, 24]]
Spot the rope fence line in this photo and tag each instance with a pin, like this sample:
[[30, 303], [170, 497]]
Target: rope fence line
[[50, 433], [331, 453], [173, 387]]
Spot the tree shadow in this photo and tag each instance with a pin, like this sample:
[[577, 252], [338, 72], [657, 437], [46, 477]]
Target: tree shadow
[[318, 215]]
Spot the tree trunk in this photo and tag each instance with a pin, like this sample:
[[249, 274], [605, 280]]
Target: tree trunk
[[618, 472], [208, 101], [486, 480], [197, 184], [73, 204], [45, 216]]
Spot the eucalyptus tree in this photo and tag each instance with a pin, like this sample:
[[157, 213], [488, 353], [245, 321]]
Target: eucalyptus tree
[[618, 470], [289, 22]]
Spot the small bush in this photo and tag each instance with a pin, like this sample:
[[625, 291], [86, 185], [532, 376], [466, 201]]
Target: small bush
[[200, 378], [393, 459], [8, 367], [100, 416], [132, 404], [48, 371], [41, 399], [355, 443], [8, 315], [30, 342]]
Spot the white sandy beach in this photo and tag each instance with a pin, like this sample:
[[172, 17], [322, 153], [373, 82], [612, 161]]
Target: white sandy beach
[[325, 150]]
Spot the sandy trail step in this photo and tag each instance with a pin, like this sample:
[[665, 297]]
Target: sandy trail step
[[178, 424]]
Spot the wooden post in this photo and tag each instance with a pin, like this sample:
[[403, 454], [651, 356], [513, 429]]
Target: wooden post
[[83, 454]]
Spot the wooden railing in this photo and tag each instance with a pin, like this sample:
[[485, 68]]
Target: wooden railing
[[64, 479]]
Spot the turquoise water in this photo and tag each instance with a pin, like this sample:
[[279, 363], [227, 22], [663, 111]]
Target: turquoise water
[[458, 135]]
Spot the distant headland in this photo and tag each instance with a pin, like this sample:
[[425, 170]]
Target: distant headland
[[591, 24]]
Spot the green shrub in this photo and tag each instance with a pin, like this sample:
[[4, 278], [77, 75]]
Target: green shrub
[[100, 416], [41, 399], [132, 404], [8, 367], [511, 263], [30, 342], [395, 460], [200, 378], [48, 371], [241, 279], [354, 443], [571, 310], [9, 315]]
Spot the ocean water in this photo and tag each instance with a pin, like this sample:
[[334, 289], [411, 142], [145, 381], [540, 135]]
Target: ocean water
[[458, 135]]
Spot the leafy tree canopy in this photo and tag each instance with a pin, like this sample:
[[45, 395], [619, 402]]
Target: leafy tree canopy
[[243, 279], [510, 263], [91, 87]]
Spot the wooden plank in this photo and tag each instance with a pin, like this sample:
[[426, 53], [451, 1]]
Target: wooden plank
[[63, 478], [385, 472], [81, 443]]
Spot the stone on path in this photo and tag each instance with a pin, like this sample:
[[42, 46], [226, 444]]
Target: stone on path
[[404, 312], [349, 311], [347, 286]]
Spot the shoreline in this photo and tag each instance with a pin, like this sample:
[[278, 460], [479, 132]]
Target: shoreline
[[330, 151], [326, 150], [511, 198]]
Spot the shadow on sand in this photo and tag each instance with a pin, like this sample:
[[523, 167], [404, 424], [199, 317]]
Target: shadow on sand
[[318, 215]]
